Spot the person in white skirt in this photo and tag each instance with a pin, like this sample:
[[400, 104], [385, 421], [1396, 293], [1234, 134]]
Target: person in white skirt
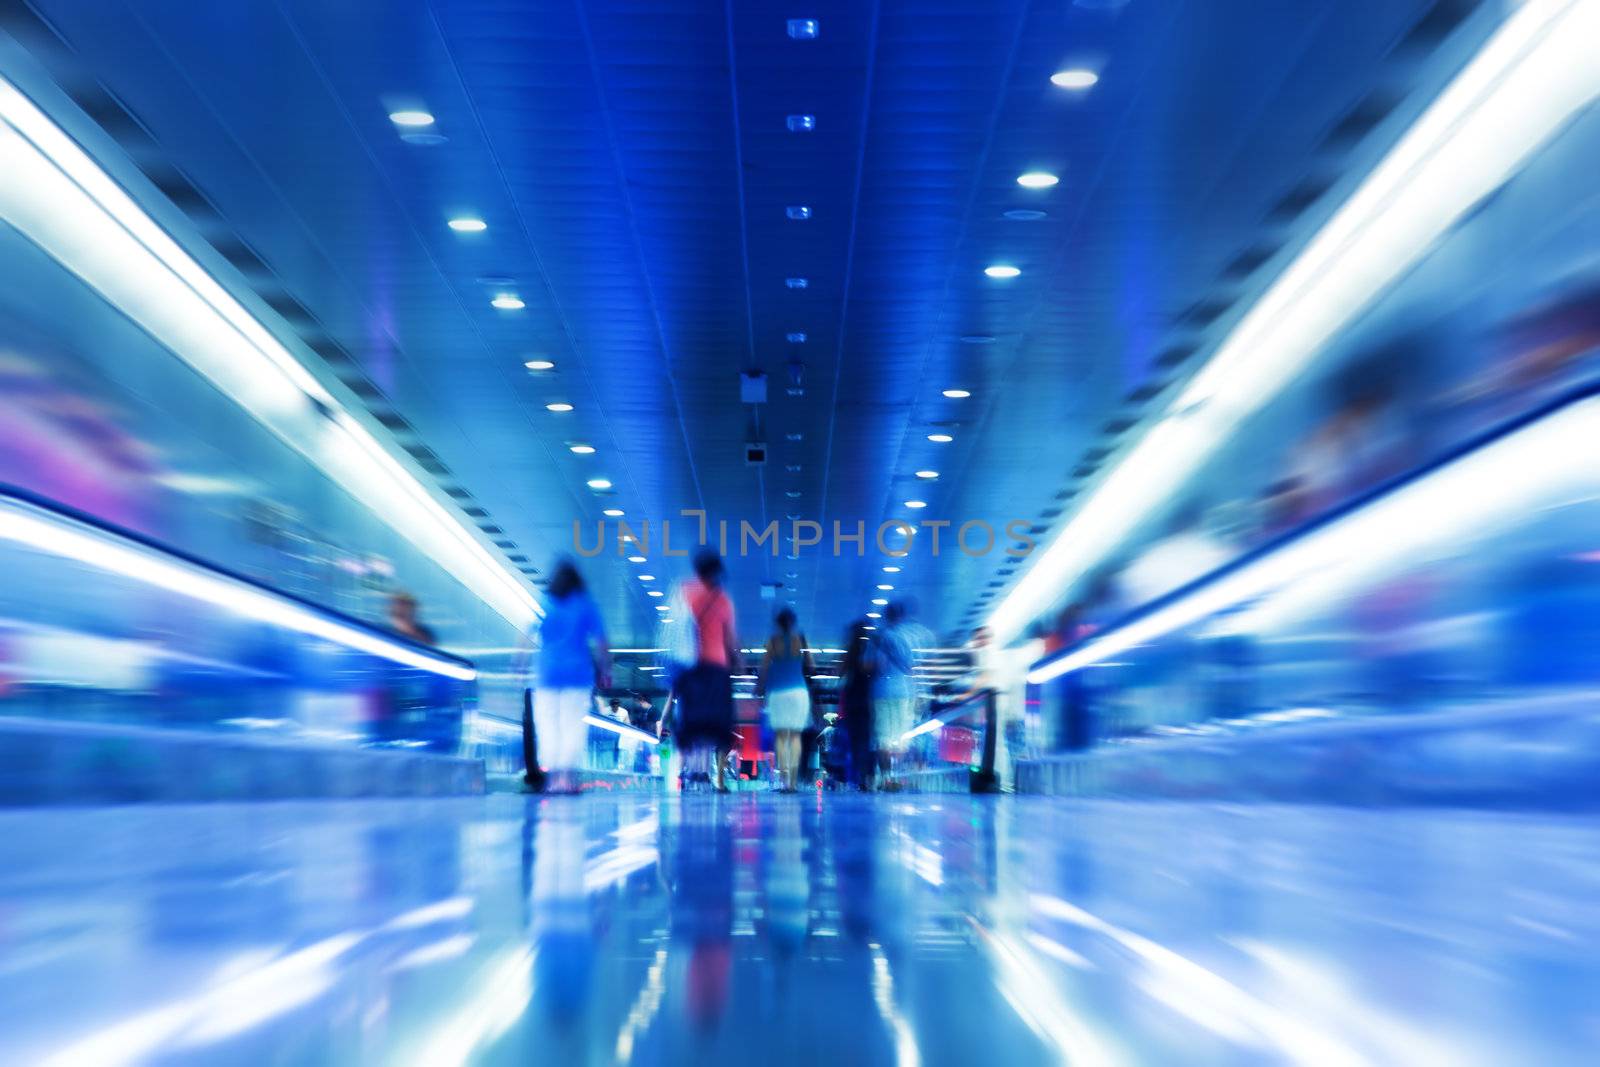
[[786, 671]]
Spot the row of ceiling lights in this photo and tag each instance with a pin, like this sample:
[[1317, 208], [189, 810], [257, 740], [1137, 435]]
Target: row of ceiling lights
[[413, 120], [1075, 79]]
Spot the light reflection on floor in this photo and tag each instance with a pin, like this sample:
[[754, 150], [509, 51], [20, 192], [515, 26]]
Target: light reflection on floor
[[826, 931]]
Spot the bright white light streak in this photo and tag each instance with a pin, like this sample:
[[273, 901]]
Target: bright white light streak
[[1040, 1003], [65, 539], [1502, 482], [644, 1009], [611, 867], [495, 1002], [248, 997], [441, 951], [906, 1053], [59, 198], [1209, 998], [437, 912], [1057, 951], [1532, 75]]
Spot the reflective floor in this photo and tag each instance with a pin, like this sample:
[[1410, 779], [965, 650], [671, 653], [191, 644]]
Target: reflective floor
[[826, 931]]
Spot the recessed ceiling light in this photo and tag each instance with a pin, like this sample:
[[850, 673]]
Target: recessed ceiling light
[[599, 483], [582, 450], [928, 474], [636, 559], [647, 577], [873, 615], [880, 601], [796, 338], [664, 607], [915, 504], [797, 283], [1024, 214], [508, 302], [539, 364], [1074, 78], [1037, 179], [891, 569], [804, 29], [798, 212], [801, 123], [885, 588], [1001, 270], [411, 118], [614, 513], [467, 224], [558, 406], [656, 592], [940, 438], [957, 394]]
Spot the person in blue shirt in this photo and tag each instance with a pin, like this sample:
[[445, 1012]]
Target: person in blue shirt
[[572, 659]]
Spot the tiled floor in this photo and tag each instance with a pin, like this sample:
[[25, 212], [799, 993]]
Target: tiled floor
[[775, 930]]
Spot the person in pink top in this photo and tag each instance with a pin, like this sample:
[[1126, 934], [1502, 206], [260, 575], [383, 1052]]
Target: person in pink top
[[704, 693]]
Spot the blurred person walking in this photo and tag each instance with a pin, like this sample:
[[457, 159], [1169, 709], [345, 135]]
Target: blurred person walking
[[855, 703], [573, 658], [405, 620], [894, 692], [785, 681], [704, 692]]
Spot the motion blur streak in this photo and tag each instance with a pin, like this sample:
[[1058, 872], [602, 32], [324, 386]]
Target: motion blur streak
[[63, 201], [1038, 1003], [1548, 461], [1529, 79], [59, 537], [1210, 999], [492, 1004]]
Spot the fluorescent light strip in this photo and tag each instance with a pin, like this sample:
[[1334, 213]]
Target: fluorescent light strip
[[1502, 482], [53, 193], [39, 530], [1529, 78]]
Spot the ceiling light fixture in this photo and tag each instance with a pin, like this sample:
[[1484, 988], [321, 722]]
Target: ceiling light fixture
[[798, 212], [636, 559], [873, 615], [582, 450], [916, 504], [647, 577], [927, 475], [1077, 78], [613, 513], [891, 569], [654, 592], [880, 601], [804, 29], [508, 302], [411, 118], [957, 394], [599, 483], [467, 224], [940, 438], [558, 406], [1037, 179], [885, 588], [539, 364], [801, 123], [1002, 270]]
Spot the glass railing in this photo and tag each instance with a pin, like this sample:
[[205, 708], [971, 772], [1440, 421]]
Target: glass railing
[[101, 625], [1471, 583]]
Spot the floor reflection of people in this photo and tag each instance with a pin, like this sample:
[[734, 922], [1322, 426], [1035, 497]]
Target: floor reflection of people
[[701, 880], [560, 925]]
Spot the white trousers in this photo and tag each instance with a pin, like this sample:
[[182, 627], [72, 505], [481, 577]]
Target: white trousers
[[560, 729]]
